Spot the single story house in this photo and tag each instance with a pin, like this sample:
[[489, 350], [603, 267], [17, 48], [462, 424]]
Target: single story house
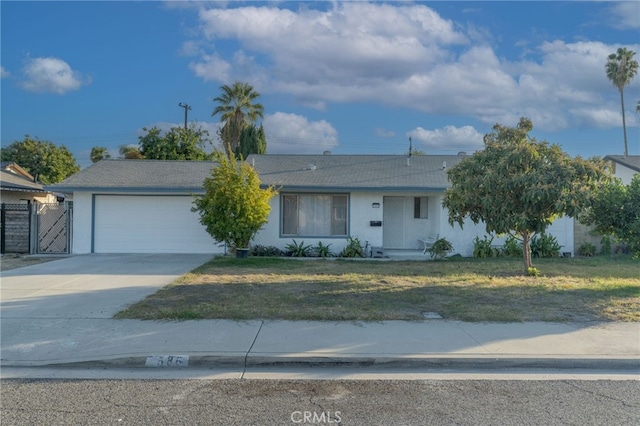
[[17, 186], [386, 201], [624, 166]]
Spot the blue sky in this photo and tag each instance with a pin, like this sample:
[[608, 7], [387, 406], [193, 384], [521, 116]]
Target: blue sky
[[349, 77]]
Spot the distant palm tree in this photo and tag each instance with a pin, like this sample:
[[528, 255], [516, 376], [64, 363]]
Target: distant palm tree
[[638, 107], [621, 68], [237, 109]]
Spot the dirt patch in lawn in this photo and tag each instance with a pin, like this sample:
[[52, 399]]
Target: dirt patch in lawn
[[14, 261]]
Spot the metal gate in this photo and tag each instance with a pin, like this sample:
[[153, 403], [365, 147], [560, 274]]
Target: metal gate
[[52, 223]]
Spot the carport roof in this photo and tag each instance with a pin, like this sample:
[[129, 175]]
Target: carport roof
[[287, 172]]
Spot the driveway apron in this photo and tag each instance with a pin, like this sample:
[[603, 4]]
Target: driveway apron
[[89, 286]]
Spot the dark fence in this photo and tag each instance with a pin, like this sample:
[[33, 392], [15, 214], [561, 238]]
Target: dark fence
[[15, 232]]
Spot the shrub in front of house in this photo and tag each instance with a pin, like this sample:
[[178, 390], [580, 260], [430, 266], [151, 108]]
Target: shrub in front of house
[[440, 248], [354, 248], [587, 249], [266, 251], [482, 248], [545, 245]]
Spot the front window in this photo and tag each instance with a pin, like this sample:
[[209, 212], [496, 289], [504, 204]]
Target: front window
[[314, 215]]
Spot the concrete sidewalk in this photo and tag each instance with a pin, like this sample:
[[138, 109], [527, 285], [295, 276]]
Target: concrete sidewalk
[[222, 343]]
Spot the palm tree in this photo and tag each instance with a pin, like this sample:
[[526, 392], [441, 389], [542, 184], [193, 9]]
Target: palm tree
[[621, 68], [237, 109]]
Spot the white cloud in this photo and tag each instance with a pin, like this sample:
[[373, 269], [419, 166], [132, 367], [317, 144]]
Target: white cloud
[[404, 56], [212, 68], [625, 15], [51, 75], [4, 73], [449, 138], [349, 44], [295, 134]]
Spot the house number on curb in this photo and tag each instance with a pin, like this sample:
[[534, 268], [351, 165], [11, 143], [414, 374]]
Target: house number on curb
[[167, 361]]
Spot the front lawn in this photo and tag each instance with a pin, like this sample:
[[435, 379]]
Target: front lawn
[[589, 289]]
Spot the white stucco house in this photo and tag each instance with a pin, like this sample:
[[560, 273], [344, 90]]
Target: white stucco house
[[388, 201], [624, 166]]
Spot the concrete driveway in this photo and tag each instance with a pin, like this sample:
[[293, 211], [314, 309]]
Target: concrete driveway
[[88, 286]]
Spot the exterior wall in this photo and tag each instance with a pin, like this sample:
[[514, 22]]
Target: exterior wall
[[362, 212], [22, 197], [624, 173], [82, 221]]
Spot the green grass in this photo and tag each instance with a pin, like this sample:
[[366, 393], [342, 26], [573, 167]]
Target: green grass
[[589, 289]]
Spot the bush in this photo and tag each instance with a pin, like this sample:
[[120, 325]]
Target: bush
[[587, 249], [353, 249], [440, 248], [482, 248], [323, 251], [512, 247], [545, 246], [266, 251], [605, 250], [298, 250], [533, 272]]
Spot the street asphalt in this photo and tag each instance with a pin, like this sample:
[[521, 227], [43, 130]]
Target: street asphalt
[[60, 313]]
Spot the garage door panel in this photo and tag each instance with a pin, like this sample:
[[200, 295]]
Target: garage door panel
[[149, 224]]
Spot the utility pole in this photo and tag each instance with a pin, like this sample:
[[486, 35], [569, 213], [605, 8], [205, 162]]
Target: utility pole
[[186, 108]]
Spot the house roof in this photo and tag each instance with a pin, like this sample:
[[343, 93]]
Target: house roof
[[15, 178], [355, 172], [138, 176], [630, 161], [288, 172]]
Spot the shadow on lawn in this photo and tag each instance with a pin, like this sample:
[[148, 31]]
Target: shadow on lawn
[[338, 300]]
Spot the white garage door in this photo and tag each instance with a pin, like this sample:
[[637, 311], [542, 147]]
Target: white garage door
[[149, 224]]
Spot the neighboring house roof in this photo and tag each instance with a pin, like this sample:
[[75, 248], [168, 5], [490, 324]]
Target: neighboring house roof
[[289, 172], [355, 172], [138, 176], [15, 178], [630, 161]]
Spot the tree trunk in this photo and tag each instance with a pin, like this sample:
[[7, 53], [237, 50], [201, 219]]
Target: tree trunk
[[526, 251], [624, 123]]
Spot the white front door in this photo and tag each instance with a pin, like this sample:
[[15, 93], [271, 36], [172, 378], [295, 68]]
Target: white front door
[[393, 222]]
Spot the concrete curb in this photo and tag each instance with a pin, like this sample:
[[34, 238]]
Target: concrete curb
[[460, 363]]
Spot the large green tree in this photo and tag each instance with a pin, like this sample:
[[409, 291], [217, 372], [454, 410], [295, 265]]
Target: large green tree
[[234, 207], [252, 141], [237, 108], [518, 185], [620, 69], [616, 211], [176, 144], [47, 162], [99, 153]]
